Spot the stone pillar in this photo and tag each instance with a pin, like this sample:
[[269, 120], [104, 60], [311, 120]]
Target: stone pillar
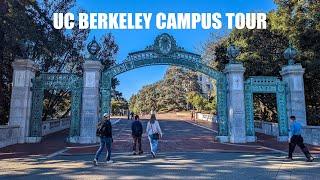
[[90, 101], [20, 106], [235, 102], [292, 75]]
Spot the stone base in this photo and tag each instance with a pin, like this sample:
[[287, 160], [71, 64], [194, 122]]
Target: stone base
[[251, 138], [33, 139], [238, 139], [73, 139], [87, 140], [283, 138], [222, 139]]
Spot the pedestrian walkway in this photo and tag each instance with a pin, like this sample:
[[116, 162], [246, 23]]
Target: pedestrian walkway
[[187, 151], [173, 165]]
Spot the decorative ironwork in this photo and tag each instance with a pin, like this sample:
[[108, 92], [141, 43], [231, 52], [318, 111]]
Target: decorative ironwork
[[164, 46], [290, 54], [165, 51], [71, 82], [233, 52], [93, 48], [265, 84]]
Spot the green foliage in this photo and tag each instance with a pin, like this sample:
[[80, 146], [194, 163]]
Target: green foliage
[[169, 94], [59, 51], [118, 105], [294, 21], [200, 103]]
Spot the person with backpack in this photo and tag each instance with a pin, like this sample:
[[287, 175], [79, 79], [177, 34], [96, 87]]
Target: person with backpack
[[154, 134], [297, 139], [137, 131], [104, 131]]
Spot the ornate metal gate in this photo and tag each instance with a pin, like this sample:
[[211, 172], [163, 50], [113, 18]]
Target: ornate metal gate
[[71, 82], [165, 51], [265, 84]]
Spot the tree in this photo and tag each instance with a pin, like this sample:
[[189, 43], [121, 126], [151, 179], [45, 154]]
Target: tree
[[169, 94], [58, 51], [54, 50], [262, 50]]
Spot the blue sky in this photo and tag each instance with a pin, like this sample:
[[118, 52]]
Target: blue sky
[[133, 40]]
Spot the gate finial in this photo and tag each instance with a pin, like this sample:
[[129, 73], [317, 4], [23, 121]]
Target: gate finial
[[233, 52], [290, 54], [93, 48]]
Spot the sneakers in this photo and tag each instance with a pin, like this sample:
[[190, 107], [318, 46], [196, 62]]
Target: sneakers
[[109, 162], [310, 159], [141, 152], [134, 153], [95, 162], [289, 158]]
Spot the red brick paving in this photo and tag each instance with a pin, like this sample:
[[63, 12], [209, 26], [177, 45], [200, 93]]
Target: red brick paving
[[49, 144], [179, 136]]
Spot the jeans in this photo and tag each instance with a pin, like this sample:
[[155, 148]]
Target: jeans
[[153, 144], [104, 142], [298, 140], [137, 140]]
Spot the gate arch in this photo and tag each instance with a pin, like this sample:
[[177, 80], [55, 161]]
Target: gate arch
[[165, 51]]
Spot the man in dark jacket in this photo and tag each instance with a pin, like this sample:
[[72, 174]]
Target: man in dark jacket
[[104, 131], [137, 131]]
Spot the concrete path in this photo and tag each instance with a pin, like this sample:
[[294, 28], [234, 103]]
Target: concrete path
[[178, 165]]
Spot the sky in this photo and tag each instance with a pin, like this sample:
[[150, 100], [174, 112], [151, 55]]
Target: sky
[[133, 40]]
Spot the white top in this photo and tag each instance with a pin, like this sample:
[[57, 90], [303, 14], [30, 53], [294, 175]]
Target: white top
[[153, 128]]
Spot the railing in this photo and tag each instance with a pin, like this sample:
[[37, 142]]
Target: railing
[[268, 128], [310, 134], [52, 126], [206, 117]]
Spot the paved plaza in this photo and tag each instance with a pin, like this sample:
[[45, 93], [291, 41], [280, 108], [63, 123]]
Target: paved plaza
[[187, 151]]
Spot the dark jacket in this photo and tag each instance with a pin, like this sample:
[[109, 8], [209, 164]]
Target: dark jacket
[[136, 128], [107, 129]]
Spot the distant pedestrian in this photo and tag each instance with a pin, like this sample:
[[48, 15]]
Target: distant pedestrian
[[137, 131], [104, 131], [128, 114], [132, 115], [192, 115], [297, 139], [154, 134]]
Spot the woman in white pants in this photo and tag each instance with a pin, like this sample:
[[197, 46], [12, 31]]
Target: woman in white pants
[[154, 134]]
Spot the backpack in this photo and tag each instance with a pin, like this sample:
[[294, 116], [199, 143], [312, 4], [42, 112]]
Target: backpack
[[101, 128]]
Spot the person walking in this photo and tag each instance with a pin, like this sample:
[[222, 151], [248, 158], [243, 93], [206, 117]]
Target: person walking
[[132, 115], [297, 139], [137, 130], [193, 115], [104, 131], [154, 134]]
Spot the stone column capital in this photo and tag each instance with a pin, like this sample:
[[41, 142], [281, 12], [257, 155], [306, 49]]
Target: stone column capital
[[234, 68], [292, 69], [24, 64], [92, 66]]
